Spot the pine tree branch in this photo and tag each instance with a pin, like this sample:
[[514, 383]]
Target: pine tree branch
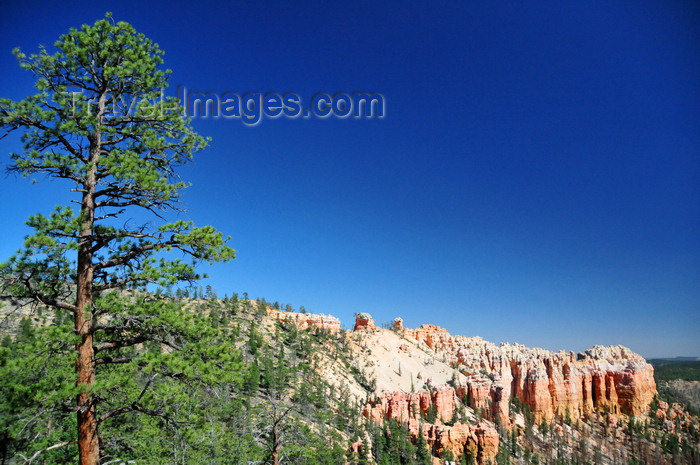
[[55, 303], [112, 361], [36, 296], [119, 284], [39, 452], [129, 324], [120, 344], [132, 254], [135, 407], [132, 408], [18, 121]]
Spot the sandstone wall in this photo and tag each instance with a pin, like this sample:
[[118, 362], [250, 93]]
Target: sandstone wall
[[612, 379], [478, 437], [552, 384]]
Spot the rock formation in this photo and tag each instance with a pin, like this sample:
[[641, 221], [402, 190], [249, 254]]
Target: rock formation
[[612, 379], [488, 377], [479, 438], [306, 320], [363, 320]]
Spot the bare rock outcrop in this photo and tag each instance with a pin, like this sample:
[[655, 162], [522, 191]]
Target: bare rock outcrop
[[363, 321], [306, 320], [479, 438], [612, 379]]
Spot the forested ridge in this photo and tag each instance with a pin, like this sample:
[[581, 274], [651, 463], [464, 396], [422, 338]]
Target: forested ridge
[[241, 388]]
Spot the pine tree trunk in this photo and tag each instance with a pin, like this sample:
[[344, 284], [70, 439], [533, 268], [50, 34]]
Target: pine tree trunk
[[275, 447], [88, 444], [85, 366]]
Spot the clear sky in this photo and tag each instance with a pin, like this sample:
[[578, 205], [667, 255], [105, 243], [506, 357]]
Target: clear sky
[[535, 179]]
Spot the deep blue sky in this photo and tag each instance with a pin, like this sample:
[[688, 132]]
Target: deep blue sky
[[536, 177]]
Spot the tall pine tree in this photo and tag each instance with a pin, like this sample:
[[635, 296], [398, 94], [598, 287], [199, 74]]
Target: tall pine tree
[[99, 120]]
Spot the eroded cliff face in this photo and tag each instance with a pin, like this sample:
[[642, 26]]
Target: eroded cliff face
[[453, 388], [306, 320], [611, 379], [470, 435]]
